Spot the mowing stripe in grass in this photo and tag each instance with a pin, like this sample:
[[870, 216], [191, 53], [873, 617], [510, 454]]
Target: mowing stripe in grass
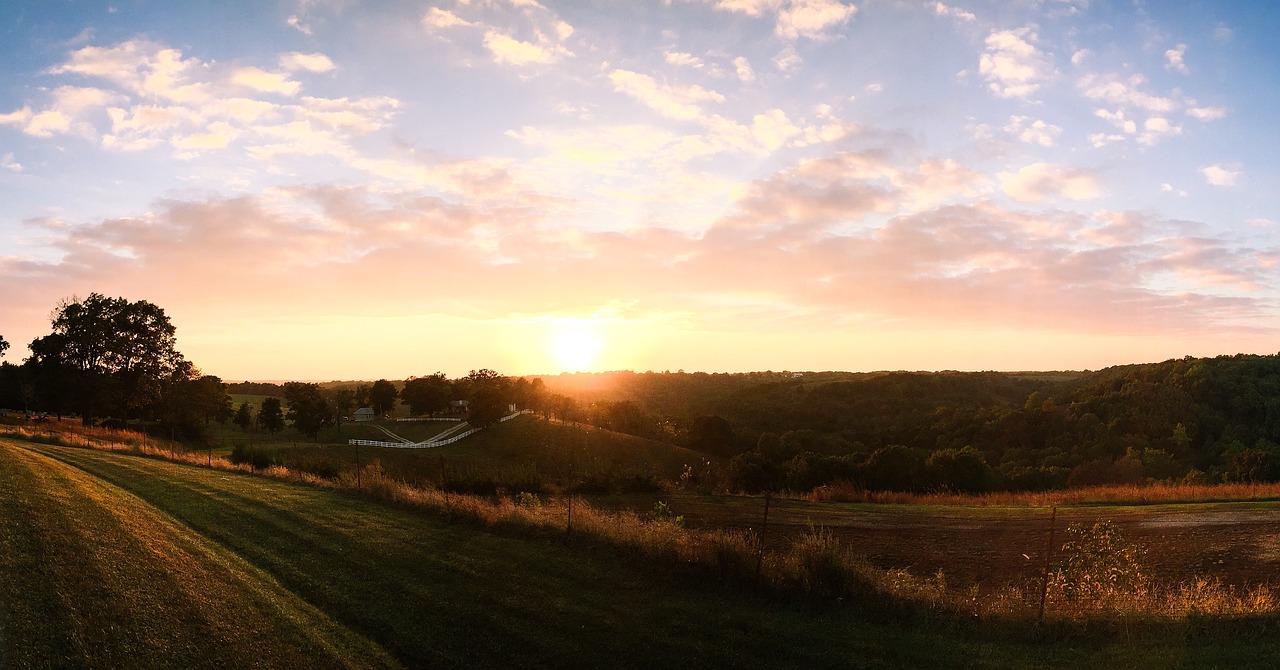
[[93, 577]]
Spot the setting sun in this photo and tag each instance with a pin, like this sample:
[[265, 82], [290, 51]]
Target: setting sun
[[575, 344]]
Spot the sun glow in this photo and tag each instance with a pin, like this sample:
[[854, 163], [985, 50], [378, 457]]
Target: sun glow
[[575, 344]]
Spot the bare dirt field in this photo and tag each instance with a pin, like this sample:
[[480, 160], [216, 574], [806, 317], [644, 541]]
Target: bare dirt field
[[992, 547]]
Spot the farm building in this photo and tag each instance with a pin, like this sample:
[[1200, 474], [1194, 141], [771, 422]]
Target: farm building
[[364, 414]]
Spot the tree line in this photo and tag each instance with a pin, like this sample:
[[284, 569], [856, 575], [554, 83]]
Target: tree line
[[114, 362], [1190, 419]]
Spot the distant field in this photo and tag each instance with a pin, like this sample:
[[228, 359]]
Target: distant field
[[524, 448], [112, 560]]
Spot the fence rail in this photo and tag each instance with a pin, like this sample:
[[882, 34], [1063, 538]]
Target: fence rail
[[431, 444]]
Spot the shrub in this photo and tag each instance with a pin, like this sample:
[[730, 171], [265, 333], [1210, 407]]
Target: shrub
[[258, 459], [1100, 567], [662, 512], [528, 501]]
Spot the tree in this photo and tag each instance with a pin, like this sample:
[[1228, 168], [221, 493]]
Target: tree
[[961, 470], [426, 395], [212, 401], [243, 417], [361, 396], [487, 407], [270, 416], [382, 396], [117, 352], [343, 399], [712, 435], [309, 410], [4, 346]]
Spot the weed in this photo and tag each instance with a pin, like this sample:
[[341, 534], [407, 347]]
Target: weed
[[662, 512]]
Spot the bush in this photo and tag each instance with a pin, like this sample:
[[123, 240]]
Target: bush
[[528, 500], [662, 512], [257, 459], [1099, 566]]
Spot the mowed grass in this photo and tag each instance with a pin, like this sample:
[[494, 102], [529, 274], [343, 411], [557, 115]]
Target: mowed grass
[[112, 560], [91, 576]]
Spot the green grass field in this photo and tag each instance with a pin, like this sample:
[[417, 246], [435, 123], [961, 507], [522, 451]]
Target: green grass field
[[525, 449], [112, 560]]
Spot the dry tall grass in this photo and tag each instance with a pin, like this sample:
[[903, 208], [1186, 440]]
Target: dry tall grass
[[818, 565], [1127, 494]]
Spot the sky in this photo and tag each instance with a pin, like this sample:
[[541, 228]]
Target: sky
[[332, 189]]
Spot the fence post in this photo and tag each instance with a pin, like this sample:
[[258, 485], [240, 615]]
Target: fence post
[[764, 532], [443, 482], [1048, 554]]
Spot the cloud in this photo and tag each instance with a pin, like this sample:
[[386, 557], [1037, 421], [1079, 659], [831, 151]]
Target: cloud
[[154, 96], [1173, 59], [682, 103], [748, 7], [1205, 113], [742, 67], [17, 117], [1126, 92], [297, 24], [265, 82], [787, 59], [1118, 119], [1012, 65], [953, 12], [821, 243], [682, 59], [1156, 128], [142, 68], [1217, 175], [812, 19], [10, 163], [443, 18], [1099, 140], [313, 62], [509, 50], [1032, 131], [1043, 181]]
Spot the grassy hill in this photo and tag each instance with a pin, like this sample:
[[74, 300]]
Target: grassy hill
[[112, 560], [525, 453]]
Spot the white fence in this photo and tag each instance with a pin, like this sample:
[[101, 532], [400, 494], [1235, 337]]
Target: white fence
[[431, 444]]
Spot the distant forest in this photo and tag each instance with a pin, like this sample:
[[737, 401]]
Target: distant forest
[[1191, 419]]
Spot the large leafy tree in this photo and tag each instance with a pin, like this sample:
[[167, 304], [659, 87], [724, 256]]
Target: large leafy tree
[[3, 346], [271, 416], [112, 353], [426, 395], [382, 396], [343, 399], [244, 417], [488, 406], [309, 409]]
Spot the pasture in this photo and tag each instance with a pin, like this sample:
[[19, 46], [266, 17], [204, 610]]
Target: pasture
[[356, 570], [200, 568]]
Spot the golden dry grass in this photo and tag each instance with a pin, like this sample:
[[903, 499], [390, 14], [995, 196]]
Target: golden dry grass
[[1129, 494]]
